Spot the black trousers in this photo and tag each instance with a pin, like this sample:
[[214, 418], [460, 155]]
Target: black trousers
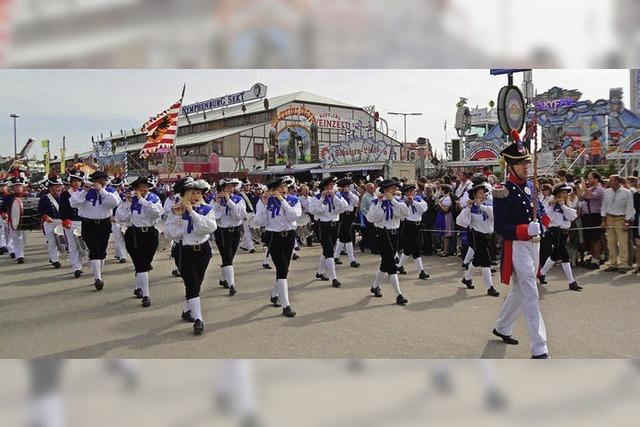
[[193, 266], [554, 245], [95, 234], [369, 236], [328, 235], [388, 246], [480, 243], [281, 247], [410, 238], [227, 240], [345, 229], [142, 244]]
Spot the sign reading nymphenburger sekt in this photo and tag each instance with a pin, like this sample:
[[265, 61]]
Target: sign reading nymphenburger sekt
[[257, 91]]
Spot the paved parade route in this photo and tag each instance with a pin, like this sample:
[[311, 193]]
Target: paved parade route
[[47, 313]]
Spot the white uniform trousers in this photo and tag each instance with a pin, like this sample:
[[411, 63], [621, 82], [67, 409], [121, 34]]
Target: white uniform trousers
[[247, 238], [75, 257], [118, 239], [18, 238], [524, 295], [52, 244], [4, 234]]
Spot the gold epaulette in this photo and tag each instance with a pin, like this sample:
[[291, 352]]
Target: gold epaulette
[[500, 192]]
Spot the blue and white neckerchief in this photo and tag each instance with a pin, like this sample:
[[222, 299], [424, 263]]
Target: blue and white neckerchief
[[346, 196], [223, 202], [412, 205], [476, 210], [558, 208], [273, 206], [93, 196], [328, 200], [135, 205], [387, 207]]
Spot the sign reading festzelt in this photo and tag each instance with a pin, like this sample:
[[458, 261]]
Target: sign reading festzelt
[[257, 91]]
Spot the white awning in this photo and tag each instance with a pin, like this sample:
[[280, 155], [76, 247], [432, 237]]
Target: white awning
[[463, 163], [351, 168], [284, 170]]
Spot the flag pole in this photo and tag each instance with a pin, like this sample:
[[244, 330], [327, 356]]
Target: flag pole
[[175, 142]]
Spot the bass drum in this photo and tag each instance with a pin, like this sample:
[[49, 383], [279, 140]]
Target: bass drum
[[23, 214]]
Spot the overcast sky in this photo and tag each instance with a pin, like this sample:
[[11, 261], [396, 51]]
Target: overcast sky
[[81, 103]]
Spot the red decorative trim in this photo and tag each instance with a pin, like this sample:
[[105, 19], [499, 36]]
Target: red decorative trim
[[506, 264], [522, 232]]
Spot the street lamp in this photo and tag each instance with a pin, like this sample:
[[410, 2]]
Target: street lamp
[[14, 116], [405, 120]]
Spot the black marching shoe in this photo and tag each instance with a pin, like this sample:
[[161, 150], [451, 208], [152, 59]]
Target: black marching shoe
[[376, 291], [468, 283], [400, 300], [336, 283], [12, 255], [574, 286], [507, 339], [122, 261], [175, 272], [542, 279], [309, 241], [56, 264], [492, 292], [288, 312], [322, 277], [232, 290], [354, 264], [98, 284], [540, 356], [146, 301], [295, 256], [465, 266], [187, 316], [274, 302], [423, 275], [224, 284], [266, 266], [401, 270], [343, 253], [337, 261], [252, 251], [138, 293], [3, 250], [77, 273], [198, 327], [20, 260]]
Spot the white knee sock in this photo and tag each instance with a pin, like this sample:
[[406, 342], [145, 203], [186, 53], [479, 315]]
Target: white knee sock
[[547, 266], [418, 262], [138, 284], [349, 248], [96, 269], [403, 259], [102, 264], [144, 283], [322, 264], [275, 291], [469, 256], [196, 311], [395, 283], [469, 273], [380, 276], [187, 306], [339, 247], [486, 276], [284, 292], [228, 275], [266, 258], [566, 266], [331, 268]]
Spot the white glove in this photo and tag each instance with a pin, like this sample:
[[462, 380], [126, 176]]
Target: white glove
[[534, 229]]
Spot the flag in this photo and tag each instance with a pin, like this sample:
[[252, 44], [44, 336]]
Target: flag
[[45, 144], [62, 160], [161, 131], [46, 164]]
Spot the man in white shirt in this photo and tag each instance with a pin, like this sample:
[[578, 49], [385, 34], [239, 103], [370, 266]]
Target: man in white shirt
[[617, 213]]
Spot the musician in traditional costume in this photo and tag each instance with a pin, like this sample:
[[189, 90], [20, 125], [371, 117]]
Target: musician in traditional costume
[[556, 238], [410, 230], [346, 236], [95, 203], [192, 221], [277, 212], [385, 213], [516, 219], [117, 227], [250, 203], [175, 244], [12, 210], [71, 221], [140, 211], [4, 231], [326, 208], [49, 212], [230, 211], [477, 216]]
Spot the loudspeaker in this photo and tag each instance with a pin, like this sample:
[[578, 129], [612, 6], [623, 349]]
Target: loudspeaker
[[455, 150]]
